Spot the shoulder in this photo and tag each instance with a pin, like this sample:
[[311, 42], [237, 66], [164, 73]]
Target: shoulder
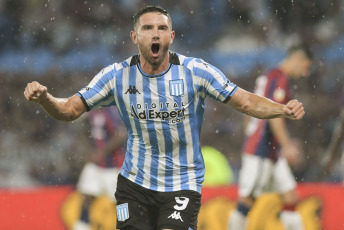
[[188, 62], [117, 66], [196, 65]]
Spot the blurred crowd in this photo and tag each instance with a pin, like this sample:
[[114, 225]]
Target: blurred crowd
[[63, 44]]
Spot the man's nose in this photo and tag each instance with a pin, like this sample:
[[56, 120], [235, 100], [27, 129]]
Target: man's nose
[[155, 33]]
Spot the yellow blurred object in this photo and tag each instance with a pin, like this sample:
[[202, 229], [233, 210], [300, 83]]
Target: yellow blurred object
[[308, 210], [264, 213], [70, 209], [274, 223], [102, 212], [217, 168], [214, 214]]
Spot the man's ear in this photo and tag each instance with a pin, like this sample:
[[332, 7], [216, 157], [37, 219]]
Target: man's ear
[[133, 36], [173, 34]]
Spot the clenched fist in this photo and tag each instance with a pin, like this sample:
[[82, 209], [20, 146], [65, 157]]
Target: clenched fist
[[294, 110], [36, 92]]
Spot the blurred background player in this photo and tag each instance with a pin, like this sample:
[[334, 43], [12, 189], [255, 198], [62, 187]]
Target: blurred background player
[[332, 153], [268, 149], [99, 175]]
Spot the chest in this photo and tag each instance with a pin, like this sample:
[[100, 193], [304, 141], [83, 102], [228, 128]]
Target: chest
[[167, 98]]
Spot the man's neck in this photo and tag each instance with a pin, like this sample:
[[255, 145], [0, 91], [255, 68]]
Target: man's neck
[[154, 69]]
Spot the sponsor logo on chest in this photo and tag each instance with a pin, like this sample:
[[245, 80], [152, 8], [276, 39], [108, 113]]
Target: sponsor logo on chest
[[174, 112]]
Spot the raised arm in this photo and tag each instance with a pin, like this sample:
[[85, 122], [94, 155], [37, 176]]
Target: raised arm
[[264, 108], [63, 109]]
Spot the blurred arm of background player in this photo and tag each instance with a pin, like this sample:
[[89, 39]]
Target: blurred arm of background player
[[332, 150], [288, 149], [118, 138]]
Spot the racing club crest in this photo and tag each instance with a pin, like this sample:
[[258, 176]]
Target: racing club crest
[[177, 87]]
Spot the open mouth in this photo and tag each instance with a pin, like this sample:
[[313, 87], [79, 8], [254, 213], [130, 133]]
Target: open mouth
[[155, 49]]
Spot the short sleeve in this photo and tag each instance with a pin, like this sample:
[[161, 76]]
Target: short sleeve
[[213, 81], [100, 91]]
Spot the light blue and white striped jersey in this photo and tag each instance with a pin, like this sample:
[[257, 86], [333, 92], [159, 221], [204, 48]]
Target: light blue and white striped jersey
[[163, 114]]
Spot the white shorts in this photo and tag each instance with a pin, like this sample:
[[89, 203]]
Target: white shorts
[[258, 175], [96, 181]]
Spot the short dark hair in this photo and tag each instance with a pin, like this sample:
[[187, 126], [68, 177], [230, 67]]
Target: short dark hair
[[304, 48], [150, 9]]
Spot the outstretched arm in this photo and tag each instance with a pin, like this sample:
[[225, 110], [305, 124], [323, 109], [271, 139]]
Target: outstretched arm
[[63, 109], [264, 108]]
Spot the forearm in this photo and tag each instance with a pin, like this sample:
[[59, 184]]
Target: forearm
[[264, 108], [59, 108], [63, 109], [256, 106]]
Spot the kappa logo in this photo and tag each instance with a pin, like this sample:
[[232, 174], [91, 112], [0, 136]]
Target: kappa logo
[[176, 216], [132, 90]]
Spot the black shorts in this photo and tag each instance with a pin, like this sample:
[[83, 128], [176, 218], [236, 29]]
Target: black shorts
[[145, 209]]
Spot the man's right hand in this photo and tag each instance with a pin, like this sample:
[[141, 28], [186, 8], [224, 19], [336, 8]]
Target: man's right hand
[[294, 110], [62, 109], [35, 92]]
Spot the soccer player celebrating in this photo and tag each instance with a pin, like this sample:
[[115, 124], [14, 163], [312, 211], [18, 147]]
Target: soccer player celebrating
[[160, 97], [268, 148]]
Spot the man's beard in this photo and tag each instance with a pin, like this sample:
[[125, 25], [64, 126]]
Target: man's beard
[[146, 53]]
